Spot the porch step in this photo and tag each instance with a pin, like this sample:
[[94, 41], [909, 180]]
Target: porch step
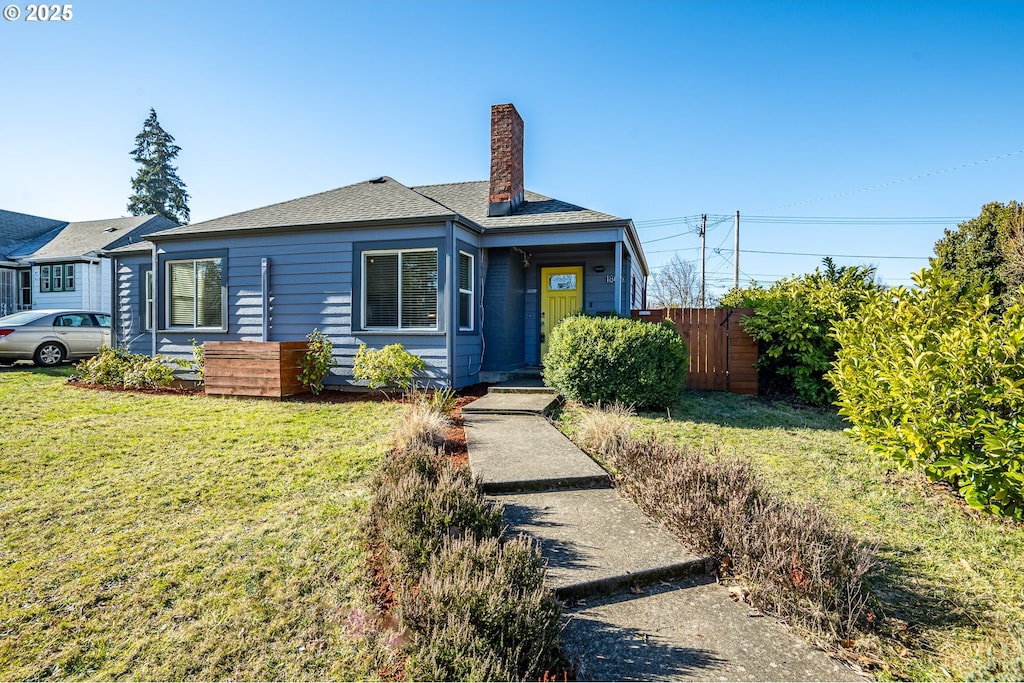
[[530, 385]]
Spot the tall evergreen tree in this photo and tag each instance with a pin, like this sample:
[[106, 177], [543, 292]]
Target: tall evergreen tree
[[156, 188]]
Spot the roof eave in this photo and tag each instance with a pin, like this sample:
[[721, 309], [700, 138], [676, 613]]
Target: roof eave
[[544, 227], [170, 236]]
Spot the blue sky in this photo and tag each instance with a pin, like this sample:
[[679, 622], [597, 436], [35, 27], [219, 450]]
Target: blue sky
[[652, 111]]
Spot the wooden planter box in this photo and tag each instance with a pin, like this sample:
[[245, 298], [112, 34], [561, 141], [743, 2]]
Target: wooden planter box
[[253, 368]]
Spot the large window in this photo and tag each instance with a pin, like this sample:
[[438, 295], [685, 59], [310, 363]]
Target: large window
[[59, 277], [400, 289], [465, 291], [195, 293]]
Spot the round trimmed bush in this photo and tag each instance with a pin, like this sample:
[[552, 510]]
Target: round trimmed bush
[[616, 360]]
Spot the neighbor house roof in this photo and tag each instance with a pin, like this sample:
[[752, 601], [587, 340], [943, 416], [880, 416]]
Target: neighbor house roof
[[18, 228], [84, 238], [386, 199]]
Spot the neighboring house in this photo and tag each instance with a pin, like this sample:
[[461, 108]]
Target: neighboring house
[[469, 276], [47, 263]]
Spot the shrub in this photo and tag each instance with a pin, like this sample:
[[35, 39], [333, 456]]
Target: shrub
[[317, 361], [118, 368], [616, 360], [391, 366], [1004, 663], [793, 321], [605, 431], [198, 364], [481, 612], [931, 378], [422, 426], [795, 564], [474, 604], [416, 512], [439, 400]]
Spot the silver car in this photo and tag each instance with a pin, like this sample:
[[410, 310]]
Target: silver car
[[51, 337]]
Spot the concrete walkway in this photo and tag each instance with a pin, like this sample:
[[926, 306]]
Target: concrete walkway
[[638, 605]]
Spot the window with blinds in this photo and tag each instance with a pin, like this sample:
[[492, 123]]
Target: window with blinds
[[400, 289], [194, 293], [465, 291]]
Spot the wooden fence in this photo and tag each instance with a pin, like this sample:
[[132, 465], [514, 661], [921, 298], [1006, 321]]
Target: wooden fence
[[722, 355]]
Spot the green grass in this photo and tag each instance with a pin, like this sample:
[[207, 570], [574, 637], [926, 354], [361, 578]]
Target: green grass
[[950, 580], [164, 537]]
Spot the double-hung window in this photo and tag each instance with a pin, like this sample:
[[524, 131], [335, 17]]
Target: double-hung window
[[59, 277], [465, 291], [195, 293], [400, 289]]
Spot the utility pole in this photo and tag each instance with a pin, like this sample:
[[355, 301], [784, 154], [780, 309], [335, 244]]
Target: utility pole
[[703, 232], [736, 254]]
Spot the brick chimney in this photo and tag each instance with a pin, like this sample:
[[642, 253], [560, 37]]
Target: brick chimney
[[506, 192]]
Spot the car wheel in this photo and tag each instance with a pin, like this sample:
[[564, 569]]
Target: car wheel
[[49, 355]]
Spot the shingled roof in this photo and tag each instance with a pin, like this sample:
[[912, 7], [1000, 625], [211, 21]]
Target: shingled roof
[[470, 201], [83, 238], [385, 199], [380, 199], [18, 228]]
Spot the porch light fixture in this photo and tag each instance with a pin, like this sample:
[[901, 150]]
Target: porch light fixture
[[598, 269]]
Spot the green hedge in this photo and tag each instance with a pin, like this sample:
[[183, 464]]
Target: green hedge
[[616, 360], [932, 378]]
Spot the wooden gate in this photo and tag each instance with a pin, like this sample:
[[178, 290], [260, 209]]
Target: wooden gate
[[722, 355]]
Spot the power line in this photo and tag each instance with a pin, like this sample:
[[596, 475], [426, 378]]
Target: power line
[[898, 181], [801, 253]]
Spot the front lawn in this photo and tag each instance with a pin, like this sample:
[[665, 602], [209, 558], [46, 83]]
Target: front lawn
[[950, 579], [169, 537]]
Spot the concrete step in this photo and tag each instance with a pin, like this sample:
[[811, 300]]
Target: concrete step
[[597, 543], [510, 453], [534, 403]]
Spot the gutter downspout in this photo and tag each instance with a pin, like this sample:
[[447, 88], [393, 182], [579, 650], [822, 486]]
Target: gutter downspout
[[115, 309], [157, 308], [450, 323], [265, 287]]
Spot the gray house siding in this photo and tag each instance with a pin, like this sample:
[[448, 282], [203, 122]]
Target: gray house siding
[[468, 346], [314, 282], [129, 303], [503, 303]]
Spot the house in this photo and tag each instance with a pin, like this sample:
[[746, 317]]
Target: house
[[48, 263], [469, 276]]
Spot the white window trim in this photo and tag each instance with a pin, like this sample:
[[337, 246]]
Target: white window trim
[[471, 291], [48, 276], [148, 307], [362, 293], [195, 308]]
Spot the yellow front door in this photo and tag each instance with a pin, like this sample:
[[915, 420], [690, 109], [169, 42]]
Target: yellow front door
[[561, 294]]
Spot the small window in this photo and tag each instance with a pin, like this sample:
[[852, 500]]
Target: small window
[[195, 293], [69, 277], [58, 278], [465, 291], [44, 278], [400, 289], [563, 282]]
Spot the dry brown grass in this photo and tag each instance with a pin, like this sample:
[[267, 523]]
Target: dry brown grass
[[605, 430], [422, 426]]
